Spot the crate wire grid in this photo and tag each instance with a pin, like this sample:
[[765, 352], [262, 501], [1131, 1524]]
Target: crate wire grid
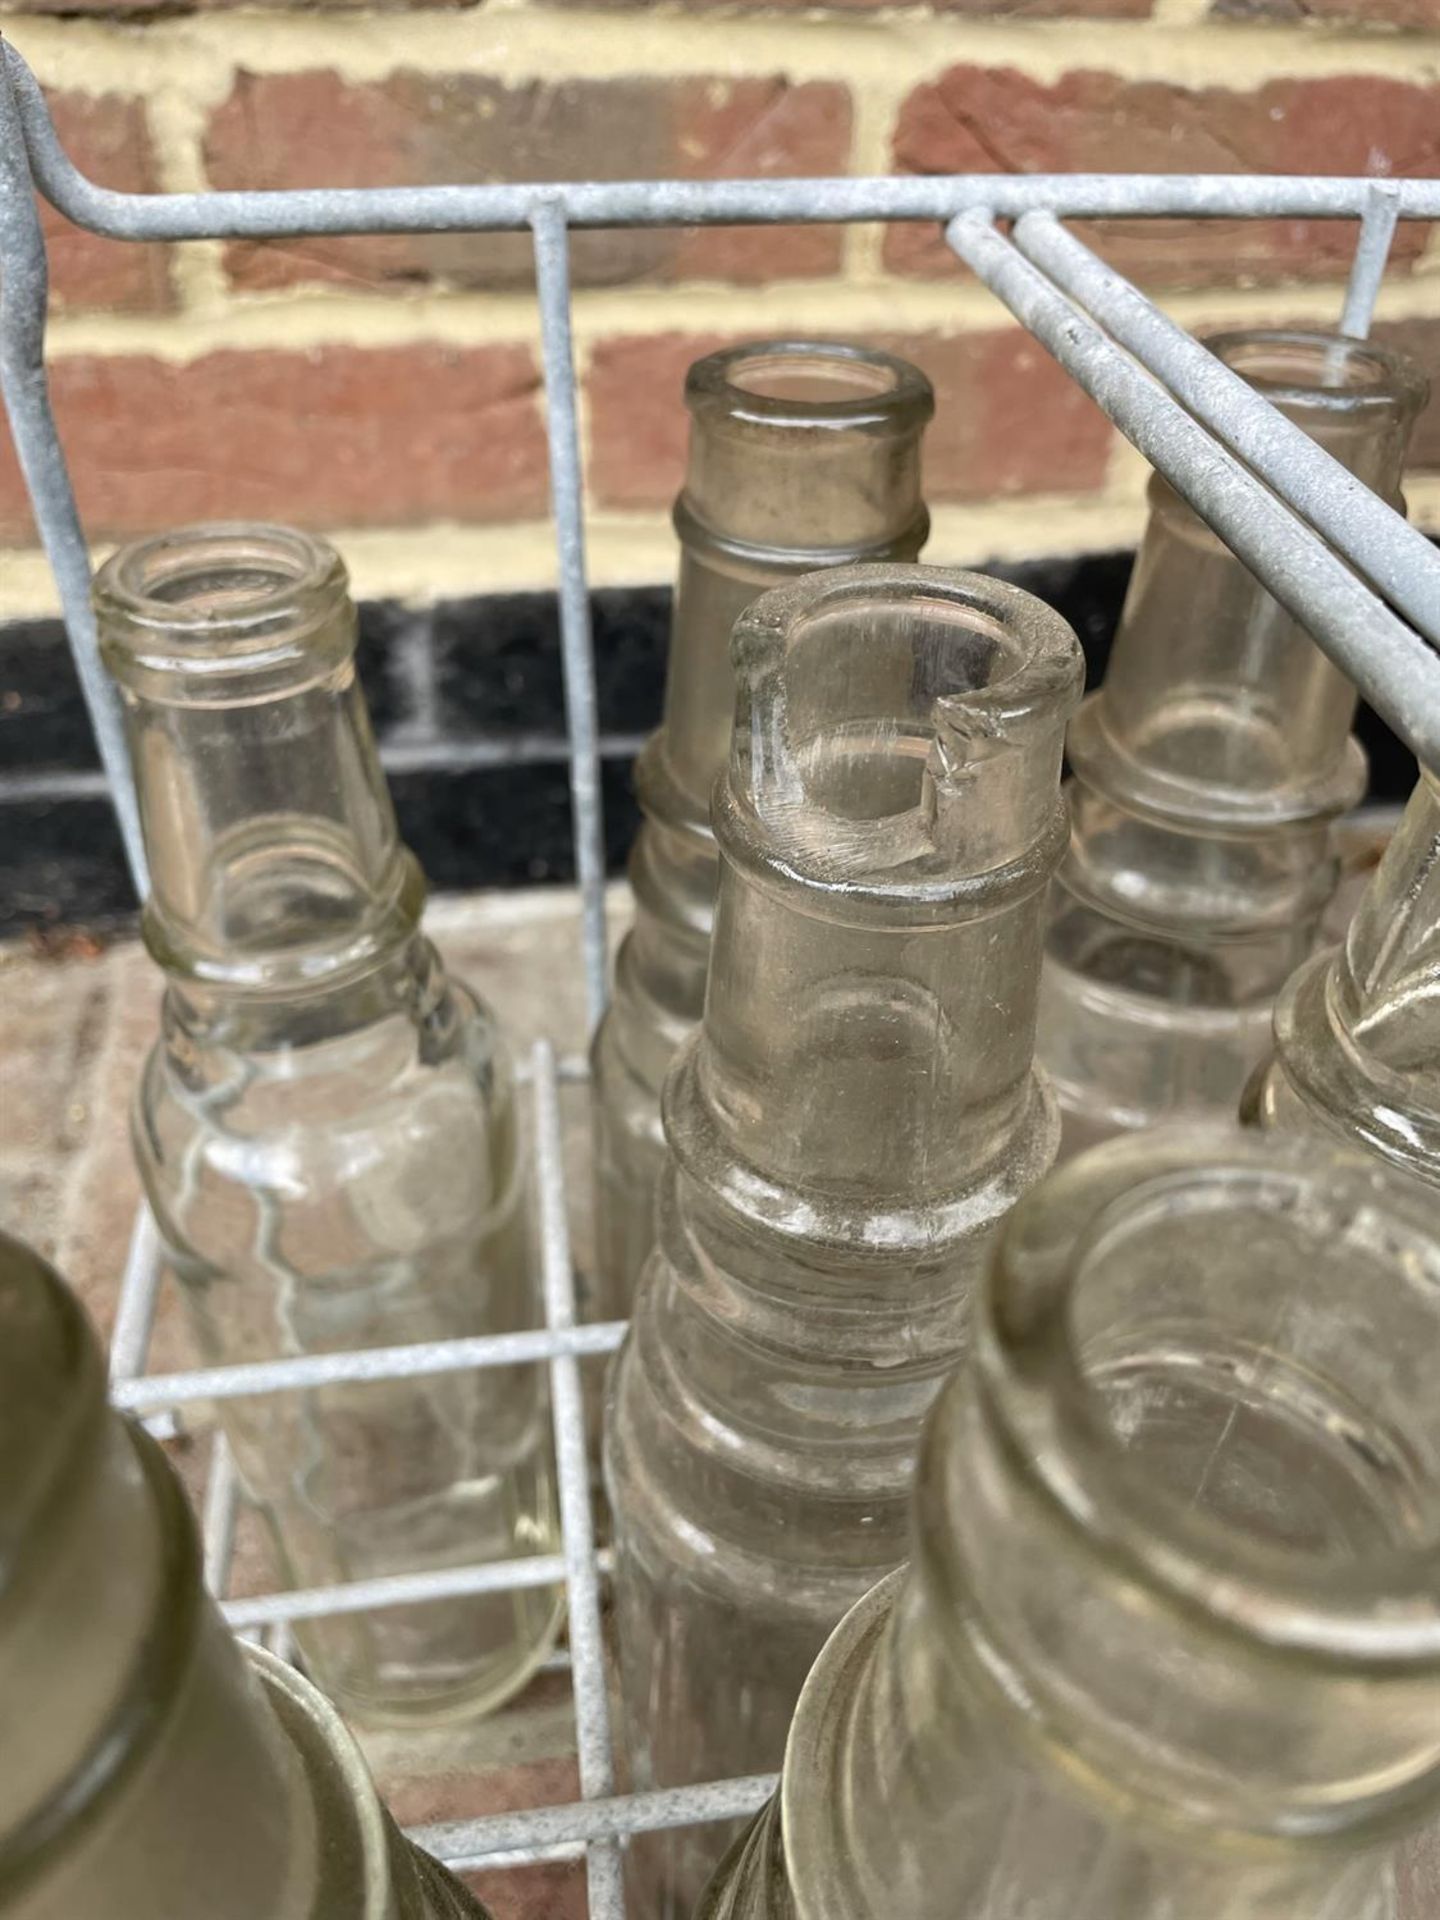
[[1364, 583]]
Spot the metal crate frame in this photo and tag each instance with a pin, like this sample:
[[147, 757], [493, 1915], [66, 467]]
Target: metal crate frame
[[1363, 582]]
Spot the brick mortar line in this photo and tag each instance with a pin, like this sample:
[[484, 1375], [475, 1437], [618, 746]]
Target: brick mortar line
[[876, 108], [177, 118], [422, 564], [893, 52], [363, 321], [453, 752], [189, 67], [1180, 13], [637, 548]]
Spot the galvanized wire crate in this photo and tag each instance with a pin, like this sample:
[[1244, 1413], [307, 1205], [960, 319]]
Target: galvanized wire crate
[[1345, 563]]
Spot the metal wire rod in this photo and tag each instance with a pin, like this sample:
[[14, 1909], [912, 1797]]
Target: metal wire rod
[[571, 1069], [529, 1835], [139, 1295], [1372, 254], [1398, 560], [364, 1364], [587, 1647], [279, 1638], [396, 1590], [217, 1524], [642, 203], [24, 294], [1393, 667], [552, 286]]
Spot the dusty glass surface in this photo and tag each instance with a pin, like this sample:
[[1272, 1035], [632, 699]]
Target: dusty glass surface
[[1208, 771], [1169, 1645], [1357, 1029], [327, 1128], [146, 1771], [802, 455], [855, 1117]]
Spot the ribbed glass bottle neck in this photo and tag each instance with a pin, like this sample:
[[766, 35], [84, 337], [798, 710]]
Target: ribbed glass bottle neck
[[887, 827]]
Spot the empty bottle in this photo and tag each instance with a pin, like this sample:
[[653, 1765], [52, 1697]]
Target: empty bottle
[[1208, 771], [151, 1770], [855, 1117], [802, 455], [1357, 1029], [327, 1129], [1169, 1644]]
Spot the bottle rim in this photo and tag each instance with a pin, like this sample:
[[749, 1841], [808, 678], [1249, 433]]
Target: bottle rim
[[987, 708], [875, 390], [219, 599], [1304, 369], [330, 1756], [1039, 665], [1380, 1612]]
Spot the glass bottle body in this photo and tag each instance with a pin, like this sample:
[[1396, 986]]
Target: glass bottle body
[[802, 456], [1207, 772], [160, 1775], [845, 1133], [1136, 1670], [326, 1129], [1357, 1028]]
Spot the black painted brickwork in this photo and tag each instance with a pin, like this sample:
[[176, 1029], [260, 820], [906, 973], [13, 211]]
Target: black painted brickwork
[[440, 680]]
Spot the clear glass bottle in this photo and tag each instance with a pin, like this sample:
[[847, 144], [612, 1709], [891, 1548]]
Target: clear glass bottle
[[327, 1128], [148, 1772], [1357, 1028], [802, 455], [855, 1117], [1169, 1645], [1208, 770]]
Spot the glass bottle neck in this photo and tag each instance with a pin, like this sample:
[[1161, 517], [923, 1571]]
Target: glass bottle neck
[[1217, 708], [801, 455], [1169, 1645], [274, 857], [276, 866], [1176, 1517], [887, 828], [846, 1057], [139, 1719]]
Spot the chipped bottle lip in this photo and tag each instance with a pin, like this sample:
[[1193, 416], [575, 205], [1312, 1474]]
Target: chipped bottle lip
[[865, 790]]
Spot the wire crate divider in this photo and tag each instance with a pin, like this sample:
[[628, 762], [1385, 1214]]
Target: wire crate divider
[[1364, 583]]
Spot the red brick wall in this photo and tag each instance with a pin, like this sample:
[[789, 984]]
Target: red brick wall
[[390, 383]]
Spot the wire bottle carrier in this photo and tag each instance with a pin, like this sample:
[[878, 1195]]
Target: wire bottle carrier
[[1364, 583]]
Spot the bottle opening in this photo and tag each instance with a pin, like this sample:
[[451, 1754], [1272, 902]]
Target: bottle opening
[[1261, 1410], [864, 679], [220, 613], [812, 376], [215, 575], [1297, 368], [1200, 1333], [901, 724], [826, 385]]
